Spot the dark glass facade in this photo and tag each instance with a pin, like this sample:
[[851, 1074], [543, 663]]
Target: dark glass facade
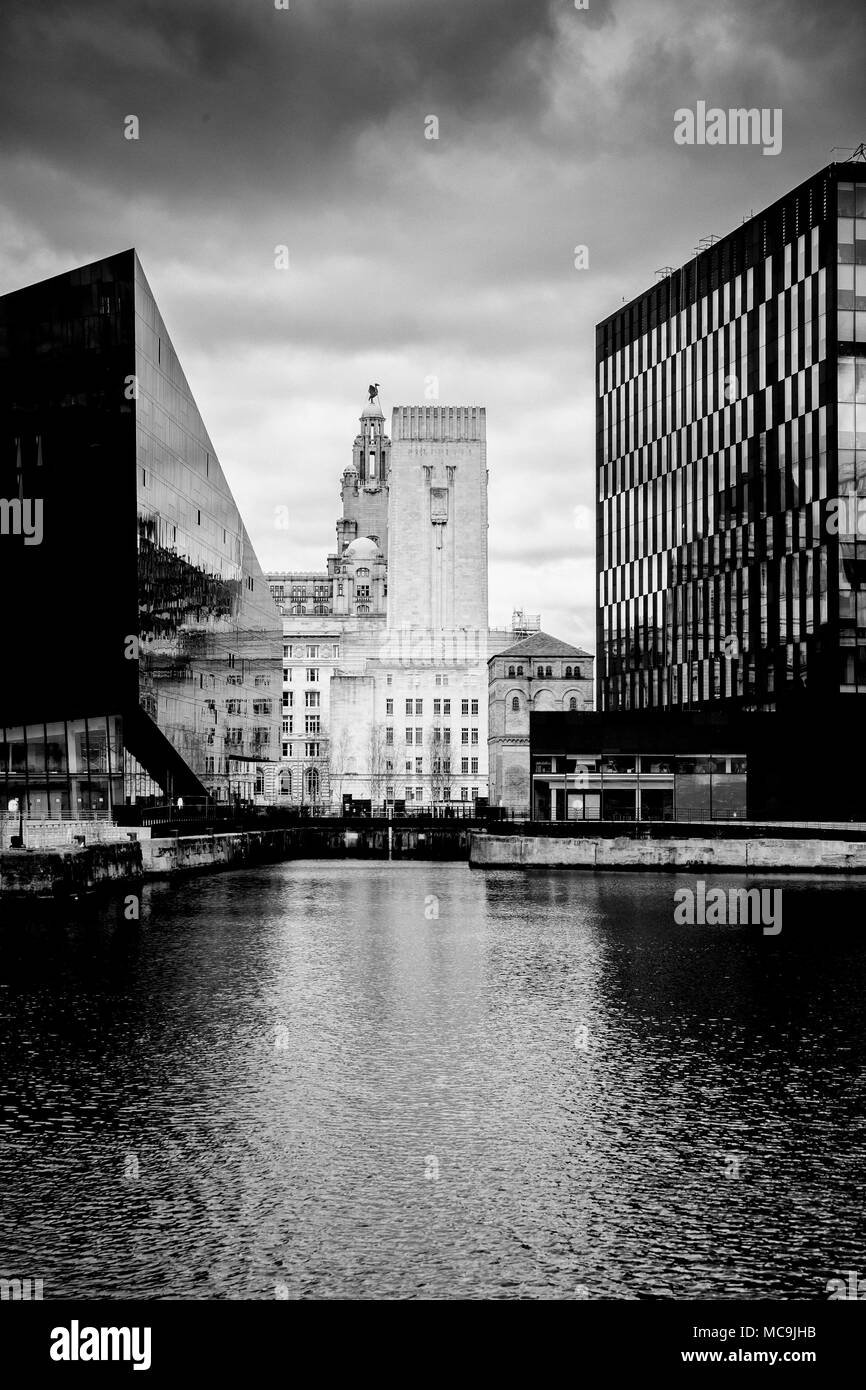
[[143, 608], [731, 420]]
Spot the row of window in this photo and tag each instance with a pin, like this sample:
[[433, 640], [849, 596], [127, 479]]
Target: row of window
[[417, 794], [312, 651], [440, 735], [544, 672], [467, 707]]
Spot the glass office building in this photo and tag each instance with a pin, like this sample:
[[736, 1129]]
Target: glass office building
[[731, 451], [142, 648]]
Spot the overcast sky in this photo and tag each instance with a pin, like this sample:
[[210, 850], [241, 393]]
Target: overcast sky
[[410, 258]]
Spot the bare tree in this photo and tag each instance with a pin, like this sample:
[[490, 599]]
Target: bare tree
[[435, 748], [378, 755], [339, 751]]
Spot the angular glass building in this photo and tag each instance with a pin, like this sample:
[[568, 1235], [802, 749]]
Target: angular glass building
[[141, 646], [731, 478]]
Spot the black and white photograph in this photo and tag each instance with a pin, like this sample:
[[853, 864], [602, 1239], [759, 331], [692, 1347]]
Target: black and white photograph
[[433, 620]]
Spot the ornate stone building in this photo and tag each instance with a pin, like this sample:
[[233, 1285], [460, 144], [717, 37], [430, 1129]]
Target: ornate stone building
[[401, 612], [537, 672]]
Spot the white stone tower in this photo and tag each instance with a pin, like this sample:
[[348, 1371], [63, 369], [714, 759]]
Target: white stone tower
[[437, 519]]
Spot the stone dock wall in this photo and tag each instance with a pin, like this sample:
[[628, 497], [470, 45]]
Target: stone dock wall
[[761, 855]]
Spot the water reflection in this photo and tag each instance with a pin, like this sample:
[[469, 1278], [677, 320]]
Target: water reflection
[[299, 1081]]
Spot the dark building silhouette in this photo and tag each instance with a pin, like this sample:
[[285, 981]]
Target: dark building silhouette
[[141, 646], [731, 453]]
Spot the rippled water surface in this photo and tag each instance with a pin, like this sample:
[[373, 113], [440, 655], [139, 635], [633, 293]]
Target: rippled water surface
[[297, 1081]]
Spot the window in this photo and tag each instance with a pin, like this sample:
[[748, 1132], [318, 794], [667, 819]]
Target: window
[[474, 766], [572, 704], [362, 593], [287, 675], [446, 793], [464, 766], [474, 735], [311, 699], [446, 706], [475, 708], [464, 707], [389, 707], [438, 680], [312, 780], [520, 670], [419, 768], [464, 735], [408, 735], [511, 670], [419, 793], [549, 671], [446, 735], [419, 707], [568, 673], [311, 750], [409, 795], [287, 726], [408, 706], [437, 734], [541, 670], [389, 793], [408, 767], [313, 724], [287, 651], [437, 706], [285, 783], [464, 793], [312, 674], [419, 735], [286, 751], [312, 652], [515, 703], [446, 767], [389, 679], [335, 649], [474, 793], [389, 735]]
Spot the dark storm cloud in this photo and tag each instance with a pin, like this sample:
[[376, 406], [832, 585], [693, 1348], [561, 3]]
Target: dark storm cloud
[[231, 96]]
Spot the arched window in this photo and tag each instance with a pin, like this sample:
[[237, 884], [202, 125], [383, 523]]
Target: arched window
[[511, 670], [577, 673], [520, 670], [260, 782], [285, 784], [515, 703], [362, 572], [541, 670], [313, 783], [572, 704], [568, 673], [549, 671]]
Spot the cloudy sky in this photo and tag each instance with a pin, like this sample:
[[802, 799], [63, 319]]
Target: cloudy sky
[[410, 258]]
